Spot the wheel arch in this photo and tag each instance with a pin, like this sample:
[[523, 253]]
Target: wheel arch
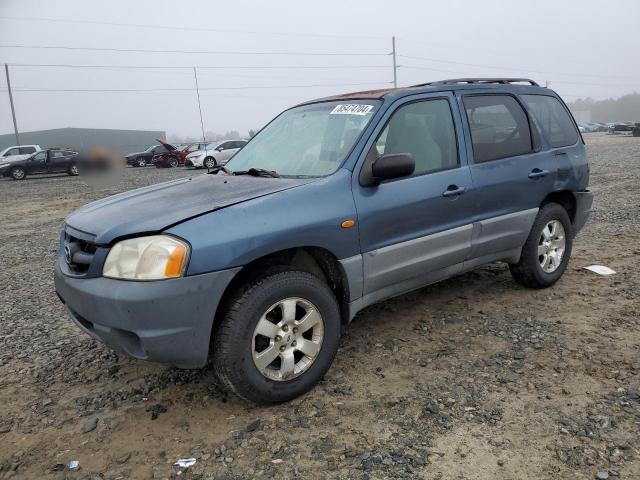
[[314, 260], [566, 199]]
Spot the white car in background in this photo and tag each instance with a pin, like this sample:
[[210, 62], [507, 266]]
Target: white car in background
[[18, 152], [217, 153]]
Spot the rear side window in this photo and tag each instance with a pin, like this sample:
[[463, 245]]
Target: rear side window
[[13, 151], [499, 127], [553, 119], [426, 131], [27, 150]]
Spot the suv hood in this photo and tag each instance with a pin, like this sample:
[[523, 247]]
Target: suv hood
[[154, 208]]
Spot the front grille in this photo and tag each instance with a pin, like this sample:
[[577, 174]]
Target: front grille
[[78, 253]]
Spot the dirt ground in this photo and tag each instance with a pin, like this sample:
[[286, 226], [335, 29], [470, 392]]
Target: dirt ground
[[472, 378]]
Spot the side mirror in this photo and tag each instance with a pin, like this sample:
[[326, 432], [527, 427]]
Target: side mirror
[[219, 149], [393, 165]]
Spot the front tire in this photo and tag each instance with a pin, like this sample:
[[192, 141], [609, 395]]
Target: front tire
[[278, 337], [546, 252], [18, 173], [209, 162], [141, 162], [73, 171], [173, 162]]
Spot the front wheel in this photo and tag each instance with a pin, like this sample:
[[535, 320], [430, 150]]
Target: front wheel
[[18, 173], [547, 250], [210, 162], [173, 162], [278, 337], [73, 171], [141, 162]]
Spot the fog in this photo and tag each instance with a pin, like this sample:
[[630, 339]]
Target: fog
[[278, 53]]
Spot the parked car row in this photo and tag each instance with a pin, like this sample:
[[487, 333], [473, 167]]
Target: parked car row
[[52, 160], [612, 127], [199, 155]]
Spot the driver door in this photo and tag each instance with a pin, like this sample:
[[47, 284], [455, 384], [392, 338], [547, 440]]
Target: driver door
[[225, 151], [416, 230], [38, 163]]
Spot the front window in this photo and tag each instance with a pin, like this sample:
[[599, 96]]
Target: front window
[[307, 141]]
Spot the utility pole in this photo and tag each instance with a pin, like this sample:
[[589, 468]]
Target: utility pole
[[395, 66], [13, 110], [195, 75]]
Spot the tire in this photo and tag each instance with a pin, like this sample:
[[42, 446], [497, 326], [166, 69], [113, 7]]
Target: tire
[[18, 173], [209, 162], [173, 162], [73, 171], [141, 162], [234, 347], [529, 271]]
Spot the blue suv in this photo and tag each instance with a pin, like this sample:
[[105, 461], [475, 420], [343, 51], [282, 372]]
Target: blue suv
[[336, 204]]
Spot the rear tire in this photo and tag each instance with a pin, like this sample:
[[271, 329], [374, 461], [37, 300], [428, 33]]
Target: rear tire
[[18, 173], [236, 340], [73, 171], [546, 252]]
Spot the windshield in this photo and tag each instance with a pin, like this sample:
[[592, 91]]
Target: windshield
[[307, 141]]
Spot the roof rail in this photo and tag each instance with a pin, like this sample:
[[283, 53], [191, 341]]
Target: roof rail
[[479, 80]]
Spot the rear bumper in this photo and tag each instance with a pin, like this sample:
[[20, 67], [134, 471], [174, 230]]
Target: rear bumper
[[166, 321], [584, 201]]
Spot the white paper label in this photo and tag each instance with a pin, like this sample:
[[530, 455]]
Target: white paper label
[[351, 109], [600, 269]]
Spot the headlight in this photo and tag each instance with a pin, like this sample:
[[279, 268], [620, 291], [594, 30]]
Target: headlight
[[157, 257]]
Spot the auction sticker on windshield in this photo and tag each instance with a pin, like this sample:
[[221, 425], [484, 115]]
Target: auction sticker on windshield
[[351, 109]]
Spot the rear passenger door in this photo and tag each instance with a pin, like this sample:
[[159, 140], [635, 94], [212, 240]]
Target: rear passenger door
[[510, 172], [57, 161], [415, 230]]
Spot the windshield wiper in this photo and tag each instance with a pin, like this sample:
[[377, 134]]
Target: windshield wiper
[[216, 168], [257, 172]]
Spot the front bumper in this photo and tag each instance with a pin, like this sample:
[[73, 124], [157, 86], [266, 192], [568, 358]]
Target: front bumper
[[166, 321], [194, 162], [584, 201]]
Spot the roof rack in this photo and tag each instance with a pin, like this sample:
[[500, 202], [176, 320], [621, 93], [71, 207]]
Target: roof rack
[[479, 80]]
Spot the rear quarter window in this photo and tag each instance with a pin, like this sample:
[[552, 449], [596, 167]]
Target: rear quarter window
[[553, 119], [499, 127]]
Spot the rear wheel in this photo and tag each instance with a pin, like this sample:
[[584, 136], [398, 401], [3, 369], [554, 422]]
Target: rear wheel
[[73, 170], [141, 162], [547, 250], [278, 337], [18, 173], [209, 162]]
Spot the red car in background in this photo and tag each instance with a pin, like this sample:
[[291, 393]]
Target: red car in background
[[174, 156]]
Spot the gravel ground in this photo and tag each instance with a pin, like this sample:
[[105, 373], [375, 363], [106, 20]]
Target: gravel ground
[[472, 378]]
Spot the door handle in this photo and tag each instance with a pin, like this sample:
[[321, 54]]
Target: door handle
[[453, 190], [537, 173], [557, 154]]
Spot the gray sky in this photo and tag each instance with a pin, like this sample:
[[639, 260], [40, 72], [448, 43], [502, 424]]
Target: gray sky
[[582, 47]]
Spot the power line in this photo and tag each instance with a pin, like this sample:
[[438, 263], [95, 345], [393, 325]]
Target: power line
[[189, 67], [551, 80], [199, 52], [574, 74], [189, 28], [133, 90]]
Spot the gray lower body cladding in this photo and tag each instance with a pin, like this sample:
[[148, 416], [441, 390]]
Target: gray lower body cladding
[[165, 321]]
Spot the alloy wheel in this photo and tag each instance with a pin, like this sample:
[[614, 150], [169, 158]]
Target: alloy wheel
[[287, 339], [551, 246]]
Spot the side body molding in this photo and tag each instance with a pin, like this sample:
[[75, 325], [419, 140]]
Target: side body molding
[[396, 269]]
